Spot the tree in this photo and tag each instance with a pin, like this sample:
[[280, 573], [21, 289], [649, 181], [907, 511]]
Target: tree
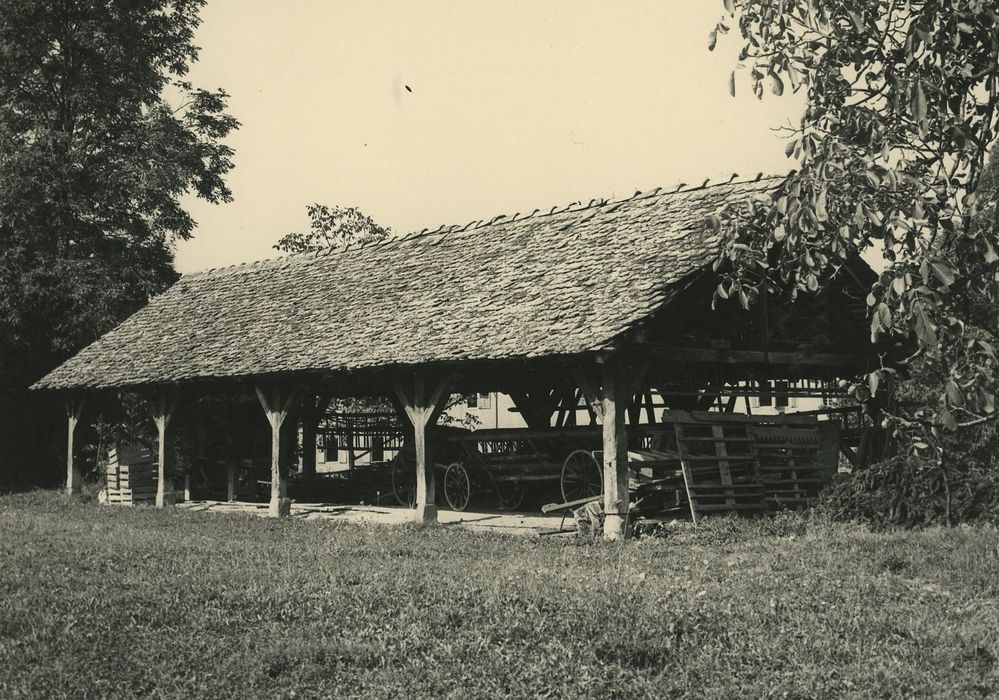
[[100, 136], [333, 227], [891, 153]]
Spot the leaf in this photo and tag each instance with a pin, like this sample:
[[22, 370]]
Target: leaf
[[712, 39], [884, 315], [731, 84], [859, 217], [729, 6], [943, 271], [873, 379], [713, 222], [820, 206], [776, 84], [947, 418], [898, 285], [721, 291], [954, 394], [926, 332], [919, 106]]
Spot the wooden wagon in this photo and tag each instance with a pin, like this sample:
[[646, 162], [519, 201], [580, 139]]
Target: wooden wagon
[[690, 463], [493, 467]]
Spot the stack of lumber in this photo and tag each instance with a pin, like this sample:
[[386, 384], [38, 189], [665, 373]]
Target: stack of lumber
[[720, 468], [792, 462], [131, 475]]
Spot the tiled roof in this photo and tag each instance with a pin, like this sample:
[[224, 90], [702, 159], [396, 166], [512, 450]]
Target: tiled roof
[[554, 283]]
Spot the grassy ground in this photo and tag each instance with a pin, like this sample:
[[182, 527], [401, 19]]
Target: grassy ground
[[102, 601]]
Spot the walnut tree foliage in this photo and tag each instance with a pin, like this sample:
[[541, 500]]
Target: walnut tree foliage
[[891, 154], [101, 135], [332, 228]]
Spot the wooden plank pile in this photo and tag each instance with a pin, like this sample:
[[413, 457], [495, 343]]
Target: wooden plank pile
[[720, 471], [790, 466], [701, 462], [131, 475]]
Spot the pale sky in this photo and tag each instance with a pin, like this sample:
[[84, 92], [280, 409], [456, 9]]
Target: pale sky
[[515, 105]]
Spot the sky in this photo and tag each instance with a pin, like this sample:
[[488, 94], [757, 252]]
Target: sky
[[511, 106]]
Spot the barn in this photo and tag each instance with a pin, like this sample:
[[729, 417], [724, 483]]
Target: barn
[[605, 304]]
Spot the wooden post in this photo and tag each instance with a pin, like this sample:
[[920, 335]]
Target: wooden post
[[230, 486], [423, 407], [313, 410], [609, 402], [162, 411], [74, 477], [277, 405], [614, 403]]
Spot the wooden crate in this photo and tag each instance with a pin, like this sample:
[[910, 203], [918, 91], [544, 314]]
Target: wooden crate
[[131, 475]]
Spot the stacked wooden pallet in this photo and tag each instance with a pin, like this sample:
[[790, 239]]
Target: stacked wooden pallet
[[131, 475], [736, 463], [719, 464], [794, 461]]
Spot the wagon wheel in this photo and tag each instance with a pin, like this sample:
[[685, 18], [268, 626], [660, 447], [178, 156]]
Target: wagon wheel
[[509, 493], [457, 486], [581, 477], [404, 482]]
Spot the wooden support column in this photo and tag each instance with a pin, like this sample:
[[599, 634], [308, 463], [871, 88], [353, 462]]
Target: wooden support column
[[615, 396], [423, 407], [313, 410], [162, 411], [74, 477], [277, 402], [609, 400], [230, 480]]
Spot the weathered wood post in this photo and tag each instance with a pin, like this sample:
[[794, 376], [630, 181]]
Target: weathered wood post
[[230, 480], [313, 409], [608, 402], [614, 401], [276, 406], [423, 408], [162, 411], [74, 477]]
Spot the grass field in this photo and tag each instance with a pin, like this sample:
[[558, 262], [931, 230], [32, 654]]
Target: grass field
[[102, 601]]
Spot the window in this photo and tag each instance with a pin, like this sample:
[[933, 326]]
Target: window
[[479, 401]]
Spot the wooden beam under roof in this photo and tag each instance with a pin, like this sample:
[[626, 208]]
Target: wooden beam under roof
[[751, 357]]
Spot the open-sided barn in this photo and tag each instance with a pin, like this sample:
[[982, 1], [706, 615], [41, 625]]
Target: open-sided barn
[[608, 300]]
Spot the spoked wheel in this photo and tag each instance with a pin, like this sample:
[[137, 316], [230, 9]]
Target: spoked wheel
[[457, 486], [509, 493], [404, 482], [581, 476]]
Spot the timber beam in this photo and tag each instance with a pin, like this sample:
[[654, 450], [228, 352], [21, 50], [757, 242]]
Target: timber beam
[[162, 409], [277, 402], [608, 393], [754, 357], [74, 477], [423, 400]]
